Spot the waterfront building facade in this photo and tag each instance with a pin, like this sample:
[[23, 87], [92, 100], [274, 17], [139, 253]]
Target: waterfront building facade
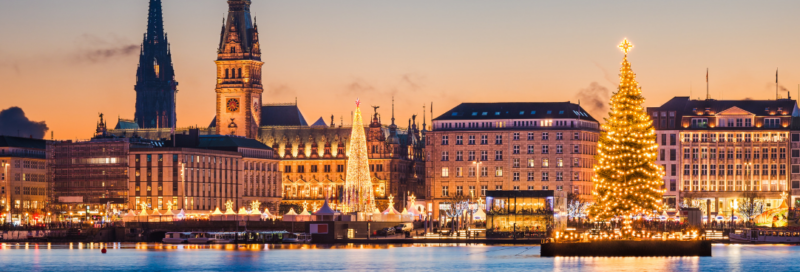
[[89, 178], [528, 211], [477, 147], [202, 173], [717, 151], [313, 159], [24, 190], [795, 161]]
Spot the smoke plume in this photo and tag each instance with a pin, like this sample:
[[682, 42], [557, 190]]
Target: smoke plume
[[14, 123], [96, 50], [594, 99], [279, 89]]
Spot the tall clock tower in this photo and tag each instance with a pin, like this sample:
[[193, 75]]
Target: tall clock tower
[[239, 73]]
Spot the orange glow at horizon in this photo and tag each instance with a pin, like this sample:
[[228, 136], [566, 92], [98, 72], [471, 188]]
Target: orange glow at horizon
[[78, 58]]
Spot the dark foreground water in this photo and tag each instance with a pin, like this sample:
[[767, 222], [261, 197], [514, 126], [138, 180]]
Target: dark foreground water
[[418, 257]]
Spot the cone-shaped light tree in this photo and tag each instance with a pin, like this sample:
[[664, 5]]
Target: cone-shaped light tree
[[627, 180], [358, 195]]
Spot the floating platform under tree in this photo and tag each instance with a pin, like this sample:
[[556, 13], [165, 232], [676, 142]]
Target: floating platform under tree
[[628, 249]]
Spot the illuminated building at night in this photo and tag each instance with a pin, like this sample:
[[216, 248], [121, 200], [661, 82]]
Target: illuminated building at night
[[718, 150], [91, 176], [201, 173], [238, 73], [477, 147], [23, 179], [313, 158]]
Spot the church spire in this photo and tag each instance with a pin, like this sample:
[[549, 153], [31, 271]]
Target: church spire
[[155, 78], [155, 21]]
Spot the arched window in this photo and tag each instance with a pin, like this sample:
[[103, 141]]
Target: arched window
[[240, 72], [226, 73], [233, 73], [233, 50]]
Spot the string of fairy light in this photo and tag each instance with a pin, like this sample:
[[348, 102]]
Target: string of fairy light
[[358, 195], [627, 180]]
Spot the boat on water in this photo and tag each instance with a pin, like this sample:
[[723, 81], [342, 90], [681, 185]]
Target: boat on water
[[176, 237], [760, 236], [297, 238], [212, 237]]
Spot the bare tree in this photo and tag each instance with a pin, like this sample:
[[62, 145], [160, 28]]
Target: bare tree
[[751, 205], [459, 204], [577, 206]]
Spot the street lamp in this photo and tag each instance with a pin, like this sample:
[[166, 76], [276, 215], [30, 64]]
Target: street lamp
[[477, 165]]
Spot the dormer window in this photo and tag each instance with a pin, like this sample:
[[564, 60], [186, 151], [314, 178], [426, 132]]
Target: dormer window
[[521, 112], [561, 112], [484, 113], [767, 109], [475, 113], [549, 112], [772, 122], [497, 113], [533, 112], [699, 122], [455, 114]]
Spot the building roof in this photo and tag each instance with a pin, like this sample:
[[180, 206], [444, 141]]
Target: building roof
[[319, 123], [682, 105], [516, 110], [282, 115], [11, 141], [225, 141], [278, 115], [126, 124]]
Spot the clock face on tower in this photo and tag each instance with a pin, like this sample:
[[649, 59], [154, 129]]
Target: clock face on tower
[[233, 105]]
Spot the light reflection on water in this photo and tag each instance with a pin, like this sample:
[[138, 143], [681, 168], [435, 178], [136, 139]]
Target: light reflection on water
[[424, 257]]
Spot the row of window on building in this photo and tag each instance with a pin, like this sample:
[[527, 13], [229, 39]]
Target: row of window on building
[[515, 176], [733, 137], [498, 154], [459, 189], [739, 170], [498, 138]]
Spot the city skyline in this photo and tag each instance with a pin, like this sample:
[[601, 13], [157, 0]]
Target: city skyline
[[77, 67]]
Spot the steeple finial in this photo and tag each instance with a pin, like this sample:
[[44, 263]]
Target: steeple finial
[[392, 110], [155, 21], [424, 126]]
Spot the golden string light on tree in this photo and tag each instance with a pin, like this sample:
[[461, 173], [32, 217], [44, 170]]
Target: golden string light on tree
[[358, 195], [627, 180]]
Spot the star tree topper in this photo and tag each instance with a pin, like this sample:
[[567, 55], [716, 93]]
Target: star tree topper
[[626, 46]]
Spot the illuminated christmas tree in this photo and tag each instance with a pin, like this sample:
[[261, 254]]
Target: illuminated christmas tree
[[358, 195], [627, 180]]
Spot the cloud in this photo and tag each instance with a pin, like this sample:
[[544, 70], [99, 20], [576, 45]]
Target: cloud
[[279, 89], [89, 50], [97, 50], [594, 99], [13, 122], [359, 87]]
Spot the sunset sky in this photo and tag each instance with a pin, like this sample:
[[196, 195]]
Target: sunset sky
[[328, 53]]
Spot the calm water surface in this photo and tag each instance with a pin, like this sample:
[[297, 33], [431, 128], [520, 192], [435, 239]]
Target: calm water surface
[[417, 257]]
